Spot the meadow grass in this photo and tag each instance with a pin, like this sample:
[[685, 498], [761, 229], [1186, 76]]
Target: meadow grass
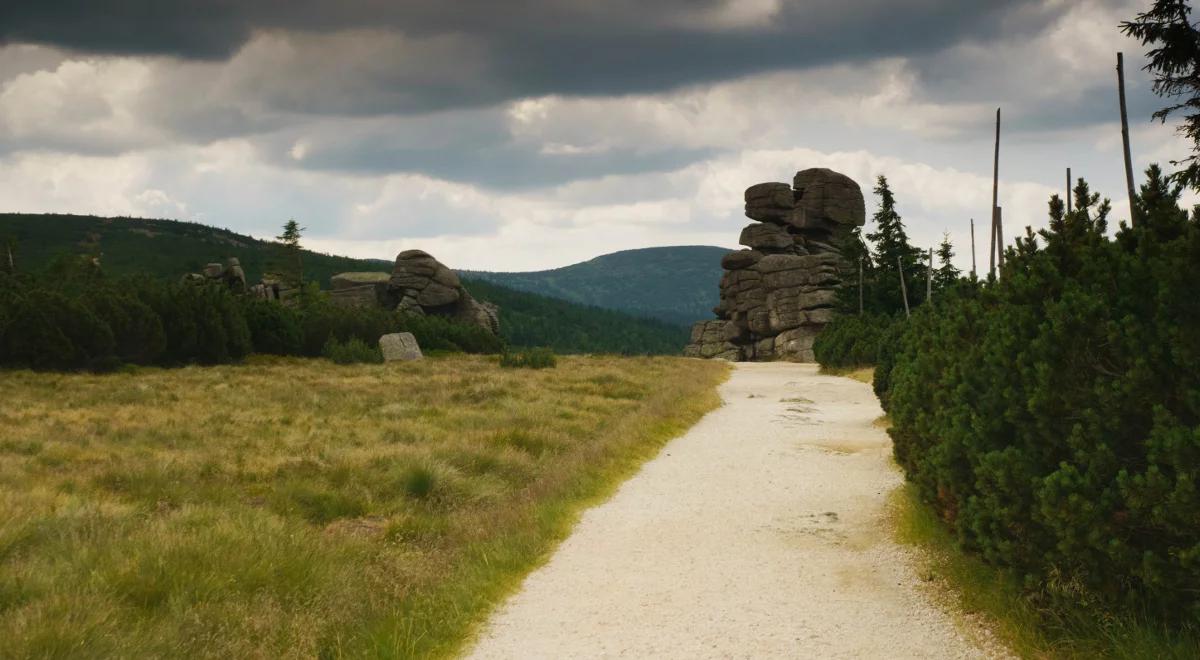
[[861, 374], [296, 508]]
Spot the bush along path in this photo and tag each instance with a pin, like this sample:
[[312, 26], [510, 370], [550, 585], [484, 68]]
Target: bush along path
[[762, 532]]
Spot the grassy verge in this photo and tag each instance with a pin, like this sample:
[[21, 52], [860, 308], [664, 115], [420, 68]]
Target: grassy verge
[[294, 508], [861, 374]]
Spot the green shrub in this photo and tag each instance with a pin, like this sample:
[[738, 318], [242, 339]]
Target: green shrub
[[137, 331], [48, 330], [852, 340], [275, 329], [73, 317], [1053, 418], [534, 358], [352, 351]]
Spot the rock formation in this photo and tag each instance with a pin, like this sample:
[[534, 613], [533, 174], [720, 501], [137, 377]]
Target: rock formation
[[778, 294], [418, 284], [233, 277]]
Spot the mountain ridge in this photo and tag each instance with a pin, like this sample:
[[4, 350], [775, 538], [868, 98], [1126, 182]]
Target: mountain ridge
[[676, 284]]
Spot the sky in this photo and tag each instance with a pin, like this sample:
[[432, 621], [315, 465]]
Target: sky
[[526, 135]]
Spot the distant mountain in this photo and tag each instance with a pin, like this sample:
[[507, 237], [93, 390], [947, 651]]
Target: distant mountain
[[169, 248], [673, 284]]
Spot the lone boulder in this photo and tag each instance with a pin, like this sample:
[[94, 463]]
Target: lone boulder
[[399, 347]]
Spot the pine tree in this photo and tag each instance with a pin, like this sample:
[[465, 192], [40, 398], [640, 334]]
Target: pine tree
[[946, 274], [291, 266], [891, 248], [1175, 63], [1159, 203]]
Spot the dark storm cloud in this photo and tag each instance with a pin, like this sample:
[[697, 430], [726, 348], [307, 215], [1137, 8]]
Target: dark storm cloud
[[568, 46]]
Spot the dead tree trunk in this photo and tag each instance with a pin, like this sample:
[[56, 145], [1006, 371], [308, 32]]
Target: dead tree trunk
[[973, 274], [860, 286], [1133, 220], [1000, 236], [929, 279], [903, 287], [1068, 190], [995, 193]]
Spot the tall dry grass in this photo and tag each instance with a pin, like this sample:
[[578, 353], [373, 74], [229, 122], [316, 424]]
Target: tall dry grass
[[294, 508]]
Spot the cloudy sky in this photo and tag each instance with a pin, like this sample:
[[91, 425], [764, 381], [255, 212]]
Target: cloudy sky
[[524, 135]]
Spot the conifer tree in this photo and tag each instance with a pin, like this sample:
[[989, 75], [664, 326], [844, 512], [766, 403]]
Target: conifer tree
[[1159, 202], [1175, 63], [291, 266], [891, 248], [946, 274]]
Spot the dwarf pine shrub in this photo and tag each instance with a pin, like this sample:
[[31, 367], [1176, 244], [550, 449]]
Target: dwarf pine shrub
[[1052, 419], [352, 351]]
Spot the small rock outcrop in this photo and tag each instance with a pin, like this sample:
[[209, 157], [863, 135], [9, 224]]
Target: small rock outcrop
[[418, 284], [229, 274], [232, 276], [399, 347], [779, 293]]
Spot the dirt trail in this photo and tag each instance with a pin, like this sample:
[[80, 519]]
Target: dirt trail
[[760, 533]]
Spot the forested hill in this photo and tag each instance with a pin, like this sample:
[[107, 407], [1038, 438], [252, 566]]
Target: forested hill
[[163, 248], [169, 248], [674, 284], [529, 319]]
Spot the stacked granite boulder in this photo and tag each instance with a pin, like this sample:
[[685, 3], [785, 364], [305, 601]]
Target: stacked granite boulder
[[778, 294], [230, 274], [418, 284]]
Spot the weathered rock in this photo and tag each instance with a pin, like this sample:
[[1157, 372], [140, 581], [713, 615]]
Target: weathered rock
[[419, 285], [408, 305], [739, 259], [769, 202], [766, 237], [230, 274], [776, 297], [824, 193], [399, 346], [796, 345], [788, 279], [437, 295], [473, 312], [351, 280], [777, 262]]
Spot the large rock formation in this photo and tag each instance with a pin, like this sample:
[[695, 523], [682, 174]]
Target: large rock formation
[[418, 284], [779, 293]]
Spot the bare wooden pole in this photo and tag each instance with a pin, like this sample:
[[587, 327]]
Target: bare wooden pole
[[929, 279], [995, 193], [903, 288], [1125, 139], [973, 247], [12, 268], [1000, 236], [860, 285], [1068, 190]]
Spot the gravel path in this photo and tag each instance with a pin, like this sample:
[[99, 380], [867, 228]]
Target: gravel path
[[760, 533]]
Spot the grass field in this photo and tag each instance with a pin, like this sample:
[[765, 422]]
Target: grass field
[[294, 508]]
